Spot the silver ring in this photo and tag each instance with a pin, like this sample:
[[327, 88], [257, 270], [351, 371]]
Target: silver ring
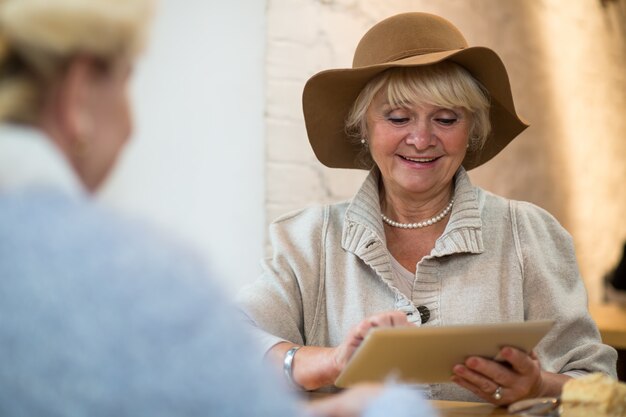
[[497, 394]]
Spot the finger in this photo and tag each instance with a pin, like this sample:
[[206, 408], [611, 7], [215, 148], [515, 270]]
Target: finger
[[498, 373], [389, 319], [485, 395], [519, 360], [398, 318], [480, 382], [358, 333], [363, 328], [519, 385]]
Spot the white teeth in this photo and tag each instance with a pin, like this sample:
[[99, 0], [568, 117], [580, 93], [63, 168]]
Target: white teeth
[[419, 159]]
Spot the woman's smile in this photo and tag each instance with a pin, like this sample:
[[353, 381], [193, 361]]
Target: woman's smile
[[419, 161]]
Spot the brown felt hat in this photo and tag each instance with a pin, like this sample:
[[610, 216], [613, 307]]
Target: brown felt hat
[[404, 40]]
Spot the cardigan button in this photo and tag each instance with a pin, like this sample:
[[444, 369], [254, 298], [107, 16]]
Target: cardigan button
[[424, 313]]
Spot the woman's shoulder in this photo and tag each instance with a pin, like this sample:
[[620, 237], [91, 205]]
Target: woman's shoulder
[[524, 214], [489, 200], [311, 217]]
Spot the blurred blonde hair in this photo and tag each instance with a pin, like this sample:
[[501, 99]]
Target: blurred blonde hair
[[444, 84], [38, 37]]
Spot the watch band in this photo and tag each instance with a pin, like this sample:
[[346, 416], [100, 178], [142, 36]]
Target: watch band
[[288, 367]]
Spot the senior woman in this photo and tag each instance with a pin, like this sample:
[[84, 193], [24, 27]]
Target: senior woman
[[419, 108]]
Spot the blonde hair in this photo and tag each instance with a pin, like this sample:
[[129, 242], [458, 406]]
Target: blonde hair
[[38, 37], [444, 84]]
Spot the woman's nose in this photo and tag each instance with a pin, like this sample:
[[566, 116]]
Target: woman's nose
[[420, 135]]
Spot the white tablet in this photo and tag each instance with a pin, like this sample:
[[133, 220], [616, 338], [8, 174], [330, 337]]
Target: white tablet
[[428, 354]]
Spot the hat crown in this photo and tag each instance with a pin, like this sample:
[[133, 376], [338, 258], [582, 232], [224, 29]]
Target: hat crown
[[405, 35]]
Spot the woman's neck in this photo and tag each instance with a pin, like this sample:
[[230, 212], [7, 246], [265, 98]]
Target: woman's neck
[[406, 207]]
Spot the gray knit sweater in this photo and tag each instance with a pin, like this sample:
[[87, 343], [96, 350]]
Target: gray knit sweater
[[497, 261]]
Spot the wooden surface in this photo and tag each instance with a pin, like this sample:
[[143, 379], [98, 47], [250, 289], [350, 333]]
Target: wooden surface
[[611, 321], [448, 408], [463, 409]]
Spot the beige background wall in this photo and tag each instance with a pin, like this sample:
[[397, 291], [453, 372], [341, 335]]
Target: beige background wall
[[566, 60]]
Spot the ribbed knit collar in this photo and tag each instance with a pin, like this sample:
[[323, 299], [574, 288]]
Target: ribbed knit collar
[[462, 233], [29, 159]]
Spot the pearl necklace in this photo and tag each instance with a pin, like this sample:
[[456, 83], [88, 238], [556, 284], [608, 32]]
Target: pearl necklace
[[423, 223]]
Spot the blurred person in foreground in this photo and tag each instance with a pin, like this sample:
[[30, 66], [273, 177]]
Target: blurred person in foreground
[[100, 316], [419, 243]]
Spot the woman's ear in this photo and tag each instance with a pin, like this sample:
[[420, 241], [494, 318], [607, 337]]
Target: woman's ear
[[68, 115]]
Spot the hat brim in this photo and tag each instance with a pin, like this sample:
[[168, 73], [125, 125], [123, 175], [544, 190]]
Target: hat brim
[[329, 95]]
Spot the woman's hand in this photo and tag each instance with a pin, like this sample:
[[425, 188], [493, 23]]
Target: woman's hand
[[373, 400], [314, 367], [517, 376], [343, 352]]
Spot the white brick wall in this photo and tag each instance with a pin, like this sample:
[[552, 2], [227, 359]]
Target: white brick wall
[[565, 60]]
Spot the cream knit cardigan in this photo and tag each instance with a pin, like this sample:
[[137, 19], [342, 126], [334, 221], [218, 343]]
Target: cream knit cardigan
[[498, 260]]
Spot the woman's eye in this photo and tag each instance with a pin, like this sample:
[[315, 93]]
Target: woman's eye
[[398, 120], [446, 121]]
